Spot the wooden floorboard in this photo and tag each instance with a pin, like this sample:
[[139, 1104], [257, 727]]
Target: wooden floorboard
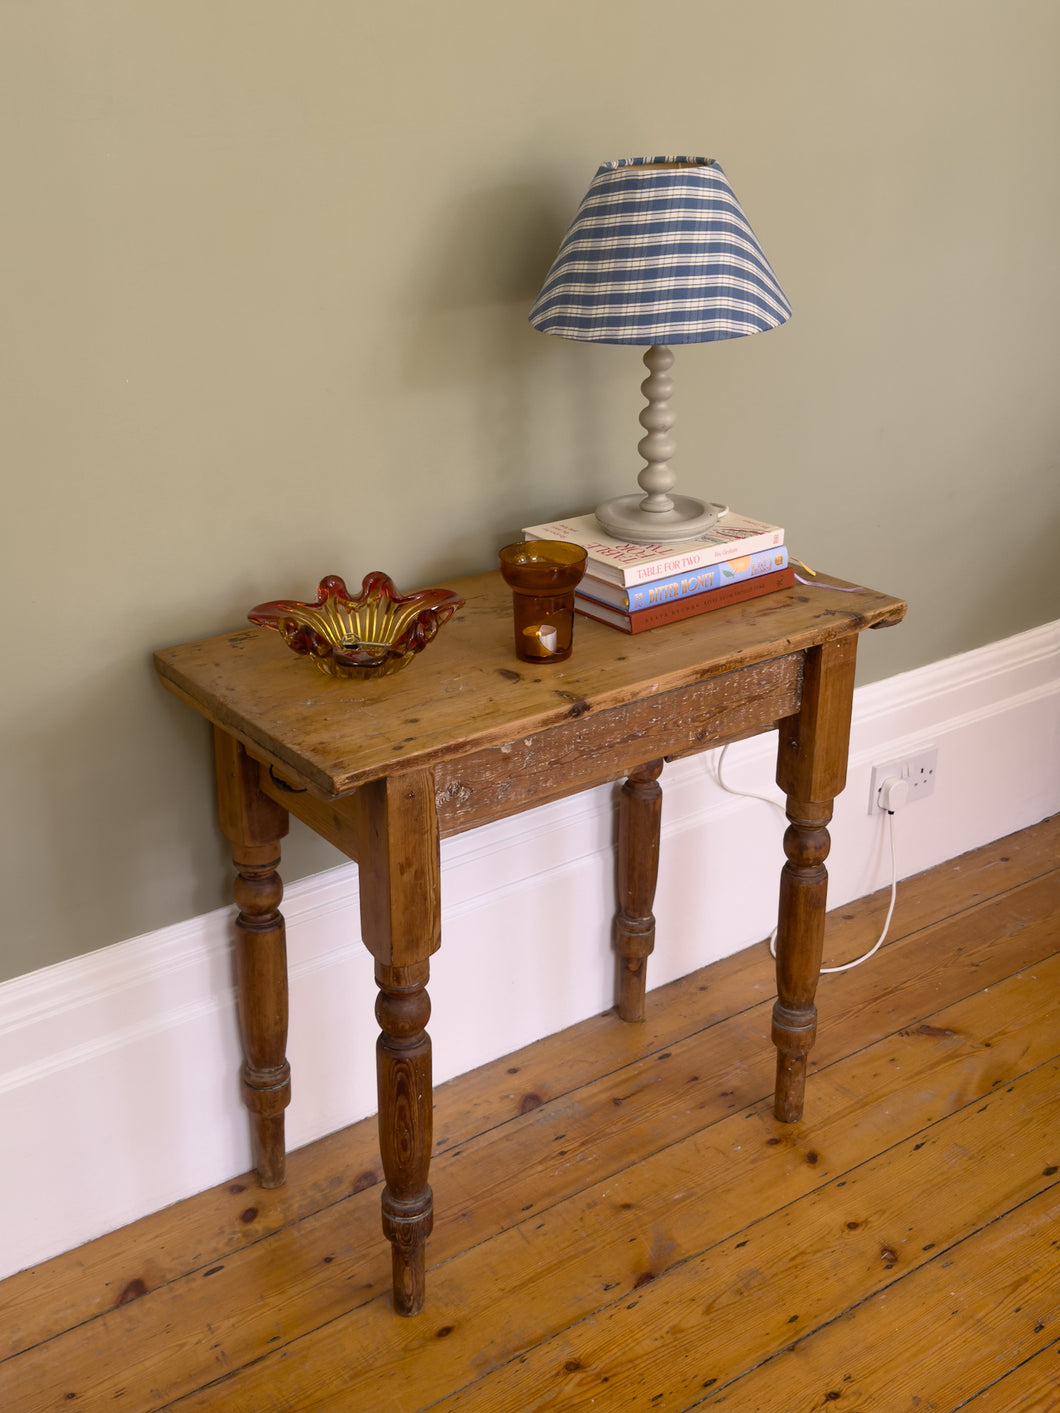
[[1032, 1387], [623, 1225]]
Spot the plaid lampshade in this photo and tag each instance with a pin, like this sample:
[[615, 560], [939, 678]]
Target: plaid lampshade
[[660, 252]]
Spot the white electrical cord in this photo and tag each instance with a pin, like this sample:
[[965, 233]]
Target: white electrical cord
[[826, 971], [889, 815]]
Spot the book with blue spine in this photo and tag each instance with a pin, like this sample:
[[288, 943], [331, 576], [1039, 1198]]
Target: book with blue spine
[[684, 585]]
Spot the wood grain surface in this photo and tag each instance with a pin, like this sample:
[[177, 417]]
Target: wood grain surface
[[467, 690]]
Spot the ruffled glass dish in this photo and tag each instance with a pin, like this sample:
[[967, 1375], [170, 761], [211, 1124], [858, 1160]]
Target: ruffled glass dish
[[371, 635]]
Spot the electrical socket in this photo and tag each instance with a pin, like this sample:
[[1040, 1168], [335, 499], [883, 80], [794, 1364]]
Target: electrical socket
[[917, 770]]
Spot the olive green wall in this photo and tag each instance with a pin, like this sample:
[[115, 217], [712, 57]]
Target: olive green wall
[[266, 274]]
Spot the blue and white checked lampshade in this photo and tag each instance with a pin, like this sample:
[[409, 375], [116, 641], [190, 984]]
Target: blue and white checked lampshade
[[660, 252]]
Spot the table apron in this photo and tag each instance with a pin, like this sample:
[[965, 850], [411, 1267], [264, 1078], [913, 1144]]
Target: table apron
[[593, 749], [474, 789]]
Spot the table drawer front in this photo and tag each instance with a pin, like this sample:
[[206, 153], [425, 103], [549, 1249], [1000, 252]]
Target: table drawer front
[[595, 748]]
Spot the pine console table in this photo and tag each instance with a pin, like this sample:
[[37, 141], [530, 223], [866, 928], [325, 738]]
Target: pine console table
[[467, 734]]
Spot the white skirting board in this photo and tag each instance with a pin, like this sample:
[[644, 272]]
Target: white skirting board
[[119, 1070]]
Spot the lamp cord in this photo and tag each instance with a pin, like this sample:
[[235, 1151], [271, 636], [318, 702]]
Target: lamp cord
[[825, 971]]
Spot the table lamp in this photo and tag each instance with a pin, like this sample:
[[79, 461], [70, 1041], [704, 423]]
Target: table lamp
[[659, 253]]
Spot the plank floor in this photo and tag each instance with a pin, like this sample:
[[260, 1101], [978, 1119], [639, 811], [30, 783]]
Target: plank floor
[[621, 1223]]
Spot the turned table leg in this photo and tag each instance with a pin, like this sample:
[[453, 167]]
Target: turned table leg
[[399, 862], [639, 816], [254, 825], [403, 1058], [800, 943], [811, 770]]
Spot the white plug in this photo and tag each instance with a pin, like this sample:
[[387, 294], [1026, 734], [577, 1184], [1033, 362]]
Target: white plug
[[893, 793]]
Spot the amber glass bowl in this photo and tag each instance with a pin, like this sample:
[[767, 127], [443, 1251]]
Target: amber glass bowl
[[371, 635], [542, 566]]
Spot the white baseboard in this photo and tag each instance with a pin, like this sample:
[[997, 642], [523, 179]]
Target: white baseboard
[[119, 1089]]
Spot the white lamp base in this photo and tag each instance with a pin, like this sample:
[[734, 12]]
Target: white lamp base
[[624, 519], [656, 516]]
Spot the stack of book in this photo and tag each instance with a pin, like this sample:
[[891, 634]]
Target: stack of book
[[636, 587]]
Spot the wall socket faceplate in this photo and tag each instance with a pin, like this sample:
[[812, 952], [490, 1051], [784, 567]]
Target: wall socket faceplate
[[918, 771]]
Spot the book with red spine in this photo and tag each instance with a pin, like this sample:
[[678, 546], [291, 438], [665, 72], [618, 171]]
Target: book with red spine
[[677, 609]]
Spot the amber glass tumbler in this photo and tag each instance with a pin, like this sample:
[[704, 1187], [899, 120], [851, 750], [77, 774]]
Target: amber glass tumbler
[[543, 575]]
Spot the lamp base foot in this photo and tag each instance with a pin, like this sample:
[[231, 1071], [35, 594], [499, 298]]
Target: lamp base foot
[[624, 519]]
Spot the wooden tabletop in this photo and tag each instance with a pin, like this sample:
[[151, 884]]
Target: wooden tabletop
[[468, 690]]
